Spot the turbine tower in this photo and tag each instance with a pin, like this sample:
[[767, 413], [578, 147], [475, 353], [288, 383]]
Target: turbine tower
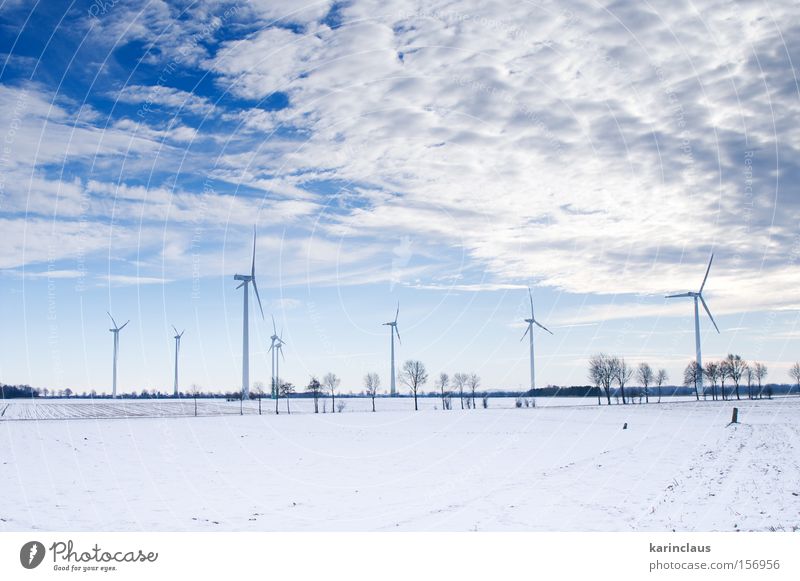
[[177, 350], [246, 280], [529, 331], [393, 330], [116, 331], [696, 296]]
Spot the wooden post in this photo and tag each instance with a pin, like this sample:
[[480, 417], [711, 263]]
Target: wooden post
[[735, 416]]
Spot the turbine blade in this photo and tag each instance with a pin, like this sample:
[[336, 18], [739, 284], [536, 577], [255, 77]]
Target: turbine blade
[[705, 306], [274, 332], [240, 285], [125, 325], [705, 278], [527, 330], [396, 330], [253, 266], [397, 313], [174, 329], [542, 326], [681, 295], [530, 296], [255, 288], [281, 352], [112, 319]]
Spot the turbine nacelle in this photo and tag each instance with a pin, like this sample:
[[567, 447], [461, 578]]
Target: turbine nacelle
[[699, 295], [393, 324]]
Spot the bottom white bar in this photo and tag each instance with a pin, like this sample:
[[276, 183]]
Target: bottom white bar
[[354, 556]]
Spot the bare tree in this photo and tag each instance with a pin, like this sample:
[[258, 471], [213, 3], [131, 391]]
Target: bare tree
[[645, 375], [794, 373], [595, 375], [371, 384], [712, 372], [622, 373], [194, 390], [286, 390], [315, 388], [443, 382], [724, 373], [459, 381], [474, 381], [661, 377], [258, 388], [331, 382], [761, 375], [749, 375], [691, 377], [736, 367], [414, 376], [602, 371]]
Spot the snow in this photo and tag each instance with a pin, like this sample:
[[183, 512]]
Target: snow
[[678, 466]]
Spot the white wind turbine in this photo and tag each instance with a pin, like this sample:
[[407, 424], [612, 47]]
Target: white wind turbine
[[695, 296], [279, 343], [393, 330], [246, 280], [177, 350], [273, 351], [116, 331], [529, 331]]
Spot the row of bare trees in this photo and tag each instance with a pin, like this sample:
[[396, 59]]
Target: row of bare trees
[[734, 369], [414, 375], [330, 383], [608, 371], [459, 382]]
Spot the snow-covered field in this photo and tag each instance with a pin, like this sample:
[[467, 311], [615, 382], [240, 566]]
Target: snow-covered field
[[677, 466], [47, 409]]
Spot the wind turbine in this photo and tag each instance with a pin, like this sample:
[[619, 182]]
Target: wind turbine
[[529, 331], [177, 350], [279, 343], [274, 338], [393, 330], [246, 280], [116, 331], [695, 296]]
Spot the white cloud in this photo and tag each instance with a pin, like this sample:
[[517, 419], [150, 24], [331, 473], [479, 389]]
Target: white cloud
[[587, 148]]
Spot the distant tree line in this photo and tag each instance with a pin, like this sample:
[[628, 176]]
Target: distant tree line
[[612, 377], [615, 378]]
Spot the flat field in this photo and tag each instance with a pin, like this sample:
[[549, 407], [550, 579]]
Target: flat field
[[678, 466]]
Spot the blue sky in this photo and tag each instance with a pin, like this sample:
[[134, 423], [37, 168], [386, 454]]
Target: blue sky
[[443, 154]]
